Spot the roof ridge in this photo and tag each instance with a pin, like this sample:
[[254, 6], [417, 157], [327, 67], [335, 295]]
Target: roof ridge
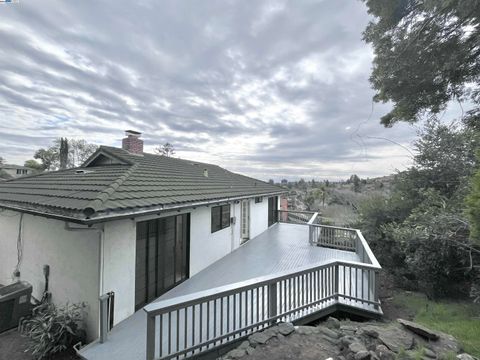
[[94, 205]]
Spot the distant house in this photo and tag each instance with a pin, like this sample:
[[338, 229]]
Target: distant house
[[15, 171], [99, 226]]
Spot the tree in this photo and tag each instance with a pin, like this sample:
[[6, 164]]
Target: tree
[[427, 53], [78, 152], [2, 160], [166, 149], [271, 182], [355, 180], [49, 157], [302, 184], [32, 164], [419, 232], [473, 207], [63, 153]]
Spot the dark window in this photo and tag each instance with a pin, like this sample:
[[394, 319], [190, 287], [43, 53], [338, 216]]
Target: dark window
[[19, 171], [220, 217], [258, 199], [272, 210]]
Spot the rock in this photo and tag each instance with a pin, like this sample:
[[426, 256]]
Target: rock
[[356, 347], [347, 340], [465, 356], [332, 323], [250, 350], [362, 355], [384, 353], [258, 338], [373, 356], [236, 353], [396, 339], [306, 330], [285, 328], [349, 328], [370, 332], [244, 345], [328, 332], [429, 353], [419, 329], [330, 340]]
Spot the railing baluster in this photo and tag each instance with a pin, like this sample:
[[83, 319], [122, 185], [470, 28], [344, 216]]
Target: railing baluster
[[185, 328], [169, 338], [256, 305], [193, 326]]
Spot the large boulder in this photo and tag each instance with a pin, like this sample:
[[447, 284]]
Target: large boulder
[[420, 329]]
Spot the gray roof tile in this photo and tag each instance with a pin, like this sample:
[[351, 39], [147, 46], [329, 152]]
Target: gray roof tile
[[139, 183]]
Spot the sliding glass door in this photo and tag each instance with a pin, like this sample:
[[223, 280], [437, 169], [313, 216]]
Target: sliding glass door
[[272, 210], [162, 256]]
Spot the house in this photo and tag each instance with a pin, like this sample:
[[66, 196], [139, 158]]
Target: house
[[127, 222], [14, 171], [176, 257]]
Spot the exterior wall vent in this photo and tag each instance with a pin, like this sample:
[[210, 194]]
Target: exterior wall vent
[[205, 172]]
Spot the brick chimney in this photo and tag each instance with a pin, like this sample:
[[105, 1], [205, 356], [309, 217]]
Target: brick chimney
[[132, 143]]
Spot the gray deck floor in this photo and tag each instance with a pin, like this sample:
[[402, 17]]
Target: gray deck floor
[[281, 247]]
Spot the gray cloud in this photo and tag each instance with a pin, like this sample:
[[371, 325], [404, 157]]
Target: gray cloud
[[269, 88]]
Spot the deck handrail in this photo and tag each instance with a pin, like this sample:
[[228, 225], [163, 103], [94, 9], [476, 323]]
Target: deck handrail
[[311, 287]]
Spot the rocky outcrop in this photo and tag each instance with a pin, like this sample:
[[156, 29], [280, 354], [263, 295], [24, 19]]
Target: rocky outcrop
[[419, 329], [346, 340]]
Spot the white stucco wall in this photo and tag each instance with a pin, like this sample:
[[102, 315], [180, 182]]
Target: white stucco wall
[[75, 257], [207, 247], [119, 266], [258, 217], [72, 256]]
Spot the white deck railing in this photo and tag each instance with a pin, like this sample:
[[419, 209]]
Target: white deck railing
[[191, 324]]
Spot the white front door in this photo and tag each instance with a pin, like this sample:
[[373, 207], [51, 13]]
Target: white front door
[[245, 221]]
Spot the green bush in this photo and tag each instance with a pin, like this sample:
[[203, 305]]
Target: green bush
[[54, 329]]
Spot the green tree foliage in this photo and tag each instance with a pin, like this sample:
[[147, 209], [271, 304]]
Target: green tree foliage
[[473, 207], [49, 157], [427, 53], [166, 149], [419, 232], [2, 160], [355, 181], [78, 152], [32, 164]]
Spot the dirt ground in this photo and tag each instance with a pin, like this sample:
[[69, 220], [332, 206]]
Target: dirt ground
[[387, 291], [13, 345]]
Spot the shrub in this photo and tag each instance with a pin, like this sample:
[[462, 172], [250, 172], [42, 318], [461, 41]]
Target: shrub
[[54, 329]]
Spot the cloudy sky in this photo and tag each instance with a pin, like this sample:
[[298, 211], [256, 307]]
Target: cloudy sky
[[271, 89]]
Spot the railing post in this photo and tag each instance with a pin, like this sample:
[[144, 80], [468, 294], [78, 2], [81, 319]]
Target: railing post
[[311, 230], [103, 318], [272, 300], [335, 282], [376, 283], [150, 337]]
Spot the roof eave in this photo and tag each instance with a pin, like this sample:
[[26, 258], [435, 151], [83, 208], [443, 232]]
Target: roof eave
[[145, 212], [44, 214], [118, 215]]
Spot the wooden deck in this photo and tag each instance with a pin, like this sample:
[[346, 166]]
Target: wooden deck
[[281, 248]]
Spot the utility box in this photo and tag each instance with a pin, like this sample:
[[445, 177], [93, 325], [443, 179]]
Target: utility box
[[15, 303]]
